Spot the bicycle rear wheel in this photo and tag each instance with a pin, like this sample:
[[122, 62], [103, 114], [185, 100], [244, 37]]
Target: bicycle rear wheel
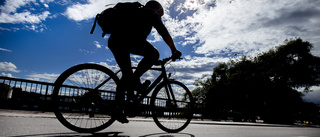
[[173, 106], [84, 98]]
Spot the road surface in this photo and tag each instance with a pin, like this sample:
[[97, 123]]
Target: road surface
[[38, 125]]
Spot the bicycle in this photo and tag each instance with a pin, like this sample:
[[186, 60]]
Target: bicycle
[[85, 99]]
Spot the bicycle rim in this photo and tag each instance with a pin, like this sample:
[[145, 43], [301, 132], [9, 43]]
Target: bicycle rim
[[78, 104], [170, 116]]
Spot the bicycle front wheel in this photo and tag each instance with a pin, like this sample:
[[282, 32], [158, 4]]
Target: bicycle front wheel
[[172, 105], [84, 98]]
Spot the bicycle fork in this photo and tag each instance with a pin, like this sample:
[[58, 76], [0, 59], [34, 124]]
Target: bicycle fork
[[171, 97]]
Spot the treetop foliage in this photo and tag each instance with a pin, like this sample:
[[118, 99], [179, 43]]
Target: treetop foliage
[[263, 84]]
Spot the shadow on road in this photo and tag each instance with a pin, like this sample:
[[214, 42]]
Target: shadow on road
[[73, 134], [106, 134], [169, 135]]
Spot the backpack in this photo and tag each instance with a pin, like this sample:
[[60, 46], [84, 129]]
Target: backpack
[[108, 18]]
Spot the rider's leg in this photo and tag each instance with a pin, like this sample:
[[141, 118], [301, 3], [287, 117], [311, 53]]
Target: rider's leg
[[151, 56], [122, 56]]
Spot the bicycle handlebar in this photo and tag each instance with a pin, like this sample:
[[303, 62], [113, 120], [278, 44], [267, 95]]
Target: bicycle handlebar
[[164, 61]]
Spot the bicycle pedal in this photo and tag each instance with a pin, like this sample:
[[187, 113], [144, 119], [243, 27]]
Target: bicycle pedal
[[144, 87], [146, 84]]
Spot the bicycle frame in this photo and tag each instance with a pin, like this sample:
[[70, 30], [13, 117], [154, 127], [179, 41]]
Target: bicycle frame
[[163, 76]]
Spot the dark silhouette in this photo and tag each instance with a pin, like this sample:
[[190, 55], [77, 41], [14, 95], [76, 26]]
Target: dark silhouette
[[129, 37], [90, 93], [264, 86], [4, 91]]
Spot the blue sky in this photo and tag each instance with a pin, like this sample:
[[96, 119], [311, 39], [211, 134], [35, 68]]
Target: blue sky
[[39, 39]]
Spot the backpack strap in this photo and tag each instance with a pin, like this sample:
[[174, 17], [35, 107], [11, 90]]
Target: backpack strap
[[94, 24]]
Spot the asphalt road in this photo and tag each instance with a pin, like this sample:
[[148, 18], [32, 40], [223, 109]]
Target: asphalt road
[[38, 125]]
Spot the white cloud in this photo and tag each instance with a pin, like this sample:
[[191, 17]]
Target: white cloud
[[79, 11], [86, 51], [26, 12], [247, 26], [43, 77], [114, 68], [46, 5], [14, 29], [98, 45], [6, 29], [220, 27], [24, 17], [63, 2], [36, 28], [6, 74], [11, 6], [8, 66], [5, 50], [192, 68]]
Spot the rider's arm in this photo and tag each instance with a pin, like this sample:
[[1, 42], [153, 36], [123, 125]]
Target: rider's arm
[[162, 30], [169, 41]]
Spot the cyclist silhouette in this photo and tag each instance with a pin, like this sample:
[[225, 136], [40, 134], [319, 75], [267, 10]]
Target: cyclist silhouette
[[129, 37]]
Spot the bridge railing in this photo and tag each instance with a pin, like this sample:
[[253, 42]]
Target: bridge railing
[[18, 93], [29, 94], [25, 94]]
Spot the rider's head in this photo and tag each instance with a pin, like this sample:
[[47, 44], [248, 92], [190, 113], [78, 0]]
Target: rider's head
[[156, 6]]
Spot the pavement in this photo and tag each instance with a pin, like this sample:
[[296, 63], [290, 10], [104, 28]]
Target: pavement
[[40, 114]]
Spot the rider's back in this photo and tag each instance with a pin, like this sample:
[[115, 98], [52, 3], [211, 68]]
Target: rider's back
[[137, 24]]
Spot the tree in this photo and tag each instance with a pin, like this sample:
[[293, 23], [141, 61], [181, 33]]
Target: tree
[[292, 64], [265, 85]]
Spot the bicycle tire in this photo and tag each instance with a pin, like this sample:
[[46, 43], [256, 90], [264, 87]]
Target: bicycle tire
[[77, 105], [168, 117]]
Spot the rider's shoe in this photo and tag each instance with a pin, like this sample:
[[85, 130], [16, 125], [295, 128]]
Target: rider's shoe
[[131, 110], [122, 119]]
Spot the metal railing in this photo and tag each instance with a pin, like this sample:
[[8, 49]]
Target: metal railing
[[25, 94], [35, 95]]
